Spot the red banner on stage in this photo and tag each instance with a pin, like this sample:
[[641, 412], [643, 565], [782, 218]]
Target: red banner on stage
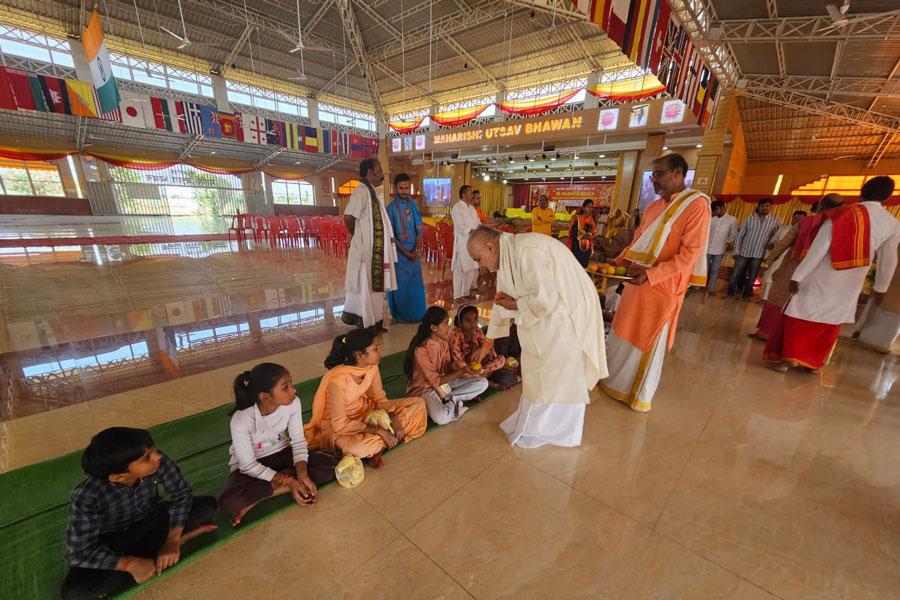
[[569, 194]]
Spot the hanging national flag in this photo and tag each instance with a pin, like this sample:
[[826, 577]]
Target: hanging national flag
[[81, 98], [708, 103], [7, 98], [53, 89], [21, 89], [101, 69], [342, 143], [230, 125], [324, 140], [192, 119], [210, 122], [276, 134], [40, 101], [254, 129], [292, 135], [168, 114], [656, 39], [134, 112], [310, 139]]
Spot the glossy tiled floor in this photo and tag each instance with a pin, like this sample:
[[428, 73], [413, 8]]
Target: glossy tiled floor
[[741, 484]]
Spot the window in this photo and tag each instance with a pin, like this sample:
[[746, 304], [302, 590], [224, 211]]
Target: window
[[159, 75], [257, 97], [329, 113], [292, 192], [31, 180], [36, 46], [551, 88]]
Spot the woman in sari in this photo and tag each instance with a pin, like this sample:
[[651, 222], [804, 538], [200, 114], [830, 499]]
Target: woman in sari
[[582, 232]]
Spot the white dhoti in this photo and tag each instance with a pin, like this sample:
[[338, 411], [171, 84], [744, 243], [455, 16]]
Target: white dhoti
[[463, 281], [534, 425], [366, 304], [634, 375]]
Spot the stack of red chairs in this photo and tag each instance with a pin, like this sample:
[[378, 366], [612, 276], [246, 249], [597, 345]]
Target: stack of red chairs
[[431, 244], [446, 254], [241, 224]]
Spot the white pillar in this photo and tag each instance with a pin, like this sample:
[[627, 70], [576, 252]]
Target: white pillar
[[501, 97], [590, 100], [312, 107], [220, 94]]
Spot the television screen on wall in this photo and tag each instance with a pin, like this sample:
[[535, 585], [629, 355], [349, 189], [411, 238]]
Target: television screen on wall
[[436, 191], [648, 195]]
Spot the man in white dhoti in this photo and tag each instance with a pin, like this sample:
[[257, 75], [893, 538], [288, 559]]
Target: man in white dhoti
[[827, 284], [545, 291], [465, 220], [371, 261]]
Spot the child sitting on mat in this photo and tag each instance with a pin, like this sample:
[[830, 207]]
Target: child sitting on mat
[[120, 532], [466, 338], [268, 449], [430, 371], [350, 396]]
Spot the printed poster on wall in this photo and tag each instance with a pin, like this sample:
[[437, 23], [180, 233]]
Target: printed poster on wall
[[407, 143], [569, 195], [420, 142], [609, 119], [396, 144], [672, 112], [639, 115]]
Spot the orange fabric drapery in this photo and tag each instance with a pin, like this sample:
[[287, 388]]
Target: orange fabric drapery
[[34, 155], [406, 126], [635, 88], [536, 106], [460, 116]]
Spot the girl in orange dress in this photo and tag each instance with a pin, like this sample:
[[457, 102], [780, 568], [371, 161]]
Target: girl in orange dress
[[349, 392], [467, 337]]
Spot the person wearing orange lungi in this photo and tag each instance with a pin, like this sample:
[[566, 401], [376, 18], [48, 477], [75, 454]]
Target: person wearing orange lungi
[[667, 255], [827, 283], [349, 392]]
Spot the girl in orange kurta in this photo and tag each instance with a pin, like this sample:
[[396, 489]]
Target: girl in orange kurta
[[352, 389], [430, 371], [466, 338]]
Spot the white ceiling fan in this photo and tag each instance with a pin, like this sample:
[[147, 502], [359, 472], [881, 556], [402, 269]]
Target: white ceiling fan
[[301, 76], [840, 17], [183, 38]]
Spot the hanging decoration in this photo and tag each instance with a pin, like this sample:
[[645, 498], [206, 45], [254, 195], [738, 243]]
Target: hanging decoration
[[460, 116], [537, 106], [33, 155], [626, 90], [406, 126]]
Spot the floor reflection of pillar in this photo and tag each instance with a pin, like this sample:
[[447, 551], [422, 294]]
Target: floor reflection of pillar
[[255, 327], [163, 351], [10, 371], [329, 311]]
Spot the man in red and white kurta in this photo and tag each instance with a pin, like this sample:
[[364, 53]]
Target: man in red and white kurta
[[668, 254], [826, 285]]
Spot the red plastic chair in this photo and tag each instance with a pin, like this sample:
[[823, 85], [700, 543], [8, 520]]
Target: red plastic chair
[[260, 228], [446, 254], [294, 227], [241, 224], [277, 230]]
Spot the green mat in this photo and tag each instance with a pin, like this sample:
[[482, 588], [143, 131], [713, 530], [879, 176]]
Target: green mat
[[34, 500]]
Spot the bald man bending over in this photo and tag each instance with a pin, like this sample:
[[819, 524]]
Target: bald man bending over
[[542, 288]]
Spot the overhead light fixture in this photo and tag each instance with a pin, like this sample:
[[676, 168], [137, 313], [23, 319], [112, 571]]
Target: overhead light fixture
[[543, 156], [699, 145], [561, 178], [524, 167], [575, 156], [512, 160], [546, 167], [527, 178], [494, 160], [596, 164], [665, 148], [486, 177], [555, 156], [582, 177], [530, 159], [504, 181]]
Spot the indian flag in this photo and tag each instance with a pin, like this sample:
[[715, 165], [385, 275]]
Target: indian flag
[[101, 69]]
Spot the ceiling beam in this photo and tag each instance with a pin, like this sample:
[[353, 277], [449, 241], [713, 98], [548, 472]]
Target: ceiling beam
[[390, 73], [381, 21], [696, 16], [772, 10], [268, 157], [358, 46], [816, 84], [886, 143], [834, 110], [554, 8], [328, 164], [450, 41], [238, 44], [866, 26], [324, 5]]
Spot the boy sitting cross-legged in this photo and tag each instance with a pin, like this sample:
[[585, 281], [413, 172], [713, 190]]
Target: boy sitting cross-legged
[[120, 531]]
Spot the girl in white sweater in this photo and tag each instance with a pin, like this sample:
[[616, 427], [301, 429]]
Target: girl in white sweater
[[268, 451]]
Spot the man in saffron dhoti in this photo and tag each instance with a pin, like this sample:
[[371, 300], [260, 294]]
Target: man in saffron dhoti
[[667, 255], [827, 284], [372, 259], [542, 288]]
